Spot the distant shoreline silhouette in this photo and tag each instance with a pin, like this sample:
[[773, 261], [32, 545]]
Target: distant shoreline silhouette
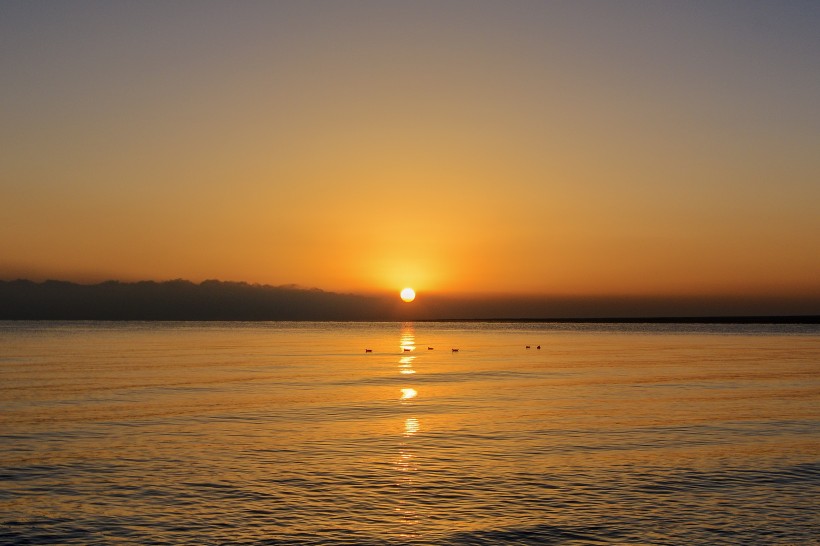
[[215, 300], [178, 300]]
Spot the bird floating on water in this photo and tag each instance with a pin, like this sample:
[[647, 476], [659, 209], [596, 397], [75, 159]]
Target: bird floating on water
[[368, 350], [429, 348], [455, 350]]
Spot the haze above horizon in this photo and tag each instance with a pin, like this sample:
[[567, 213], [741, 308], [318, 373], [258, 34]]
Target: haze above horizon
[[570, 149]]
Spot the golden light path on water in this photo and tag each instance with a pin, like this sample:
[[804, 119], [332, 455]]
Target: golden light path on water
[[406, 464]]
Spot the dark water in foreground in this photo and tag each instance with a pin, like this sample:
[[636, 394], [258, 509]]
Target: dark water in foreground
[[269, 433]]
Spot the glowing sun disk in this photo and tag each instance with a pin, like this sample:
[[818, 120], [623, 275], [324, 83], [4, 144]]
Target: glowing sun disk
[[408, 294]]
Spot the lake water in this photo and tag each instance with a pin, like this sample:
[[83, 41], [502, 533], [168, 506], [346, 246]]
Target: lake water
[[290, 433]]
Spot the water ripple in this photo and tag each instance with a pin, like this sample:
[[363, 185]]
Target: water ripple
[[280, 434]]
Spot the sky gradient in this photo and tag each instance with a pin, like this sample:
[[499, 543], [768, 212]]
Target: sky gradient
[[566, 149]]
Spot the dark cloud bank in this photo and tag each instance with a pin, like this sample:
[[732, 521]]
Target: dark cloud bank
[[217, 300]]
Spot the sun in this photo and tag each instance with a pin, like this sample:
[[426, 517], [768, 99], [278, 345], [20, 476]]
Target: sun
[[408, 294]]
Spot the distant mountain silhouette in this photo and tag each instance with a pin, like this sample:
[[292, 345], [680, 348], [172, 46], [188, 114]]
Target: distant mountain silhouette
[[180, 300]]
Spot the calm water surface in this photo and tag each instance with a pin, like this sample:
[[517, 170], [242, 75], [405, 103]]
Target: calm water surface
[[290, 433]]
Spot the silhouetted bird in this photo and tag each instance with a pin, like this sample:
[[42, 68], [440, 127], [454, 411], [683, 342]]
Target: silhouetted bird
[[538, 347], [455, 350], [528, 346], [368, 350], [429, 348]]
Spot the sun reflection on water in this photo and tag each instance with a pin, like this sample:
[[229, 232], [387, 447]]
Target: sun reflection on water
[[407, 394], [408, 338], [407, 343], [406, 464], [411, 426], [406, 365]]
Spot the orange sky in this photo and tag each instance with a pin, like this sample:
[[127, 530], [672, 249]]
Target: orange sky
[[555, 148]]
